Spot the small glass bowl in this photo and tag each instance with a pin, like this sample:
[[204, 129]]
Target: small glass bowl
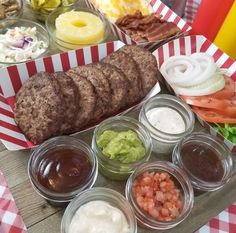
[[64, 45], [41, 34], [181, 181], [11, 13], [163, 142], [54, 145], [214, 144], [114, 198], [42, 14], [114, 169]]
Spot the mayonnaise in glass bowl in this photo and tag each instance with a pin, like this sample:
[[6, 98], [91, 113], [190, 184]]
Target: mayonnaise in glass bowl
[[21, 40], [99, 210]]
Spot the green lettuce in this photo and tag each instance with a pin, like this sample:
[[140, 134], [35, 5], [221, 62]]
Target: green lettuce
[[227, 130]]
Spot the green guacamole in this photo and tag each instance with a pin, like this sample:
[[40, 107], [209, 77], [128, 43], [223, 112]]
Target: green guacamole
[[124, 146]]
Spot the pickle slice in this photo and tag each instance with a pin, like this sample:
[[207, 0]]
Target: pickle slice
[[45, 4], [52, 4], [67, 2]]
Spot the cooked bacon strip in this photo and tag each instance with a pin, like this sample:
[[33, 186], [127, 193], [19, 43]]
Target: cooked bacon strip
[[147, 28], [162, 32]]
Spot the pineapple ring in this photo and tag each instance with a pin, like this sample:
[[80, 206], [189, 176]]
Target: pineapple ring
[[78, 27]]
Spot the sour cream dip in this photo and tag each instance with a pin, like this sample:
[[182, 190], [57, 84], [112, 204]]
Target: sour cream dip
[[166, 120], [98, 217]]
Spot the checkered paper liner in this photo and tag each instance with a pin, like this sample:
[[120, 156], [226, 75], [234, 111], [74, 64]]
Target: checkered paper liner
[[12, 78], [158, 7], [10, 218], [225, 222], [191, 44]]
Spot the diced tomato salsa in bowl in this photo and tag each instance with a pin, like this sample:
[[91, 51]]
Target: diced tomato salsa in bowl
[[161, 195], [157, 194]]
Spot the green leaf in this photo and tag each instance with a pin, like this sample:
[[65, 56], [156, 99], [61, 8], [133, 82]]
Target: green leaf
[[231, 129], [228, 131], [232, 138]]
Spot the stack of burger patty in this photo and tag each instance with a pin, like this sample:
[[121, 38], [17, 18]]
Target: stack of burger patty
[[65, 102]]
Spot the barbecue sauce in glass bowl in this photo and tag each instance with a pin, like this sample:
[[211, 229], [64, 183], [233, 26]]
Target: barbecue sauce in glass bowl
[[61, 168], [202, 161], [206, 160], [64, 170]]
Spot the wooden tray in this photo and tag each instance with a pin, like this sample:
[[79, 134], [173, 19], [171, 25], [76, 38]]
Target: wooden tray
[[41, 217]]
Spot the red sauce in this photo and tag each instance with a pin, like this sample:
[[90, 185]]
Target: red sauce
[[202, 161], [64, 170]]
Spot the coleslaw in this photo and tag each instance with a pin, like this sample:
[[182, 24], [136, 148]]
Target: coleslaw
[[20, 44]]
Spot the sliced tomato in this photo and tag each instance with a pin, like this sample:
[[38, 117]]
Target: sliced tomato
[[205, 101], [227, 92], [222, 106], [210, 115]]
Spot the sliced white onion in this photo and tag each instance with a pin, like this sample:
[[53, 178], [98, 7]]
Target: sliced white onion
[[208, 67], [210, 86], [180, 69]]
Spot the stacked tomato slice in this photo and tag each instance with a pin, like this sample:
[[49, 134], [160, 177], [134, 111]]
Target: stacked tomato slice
[[219, 107]]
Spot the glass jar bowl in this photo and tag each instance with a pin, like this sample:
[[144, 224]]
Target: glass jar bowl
[[181, 182], [213, 167], [11, 9], [63, 44], [114, 169], [40, 32], [42, 12], [48, 164], [110, 196], [164, 141]]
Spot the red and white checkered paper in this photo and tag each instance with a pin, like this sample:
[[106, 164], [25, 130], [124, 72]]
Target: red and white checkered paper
[[158, 7], [191, 44], [225, 222], [10, 218], [12, 78]]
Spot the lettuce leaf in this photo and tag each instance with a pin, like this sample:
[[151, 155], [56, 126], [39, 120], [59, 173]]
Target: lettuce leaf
[[227, 130]]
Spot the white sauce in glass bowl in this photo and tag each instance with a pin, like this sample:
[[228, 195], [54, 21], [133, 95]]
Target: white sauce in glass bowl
[[166, 120], [98, 217]]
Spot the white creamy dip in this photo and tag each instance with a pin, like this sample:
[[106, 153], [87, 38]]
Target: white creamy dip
[[98, 217], [166, 120]]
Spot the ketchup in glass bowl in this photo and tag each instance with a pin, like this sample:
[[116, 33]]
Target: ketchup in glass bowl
[[61, 168]]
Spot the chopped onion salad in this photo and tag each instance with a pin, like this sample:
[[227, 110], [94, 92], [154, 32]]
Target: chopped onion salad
[[20, 44]]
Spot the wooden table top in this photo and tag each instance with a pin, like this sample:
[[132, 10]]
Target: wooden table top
[[41, 217]]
